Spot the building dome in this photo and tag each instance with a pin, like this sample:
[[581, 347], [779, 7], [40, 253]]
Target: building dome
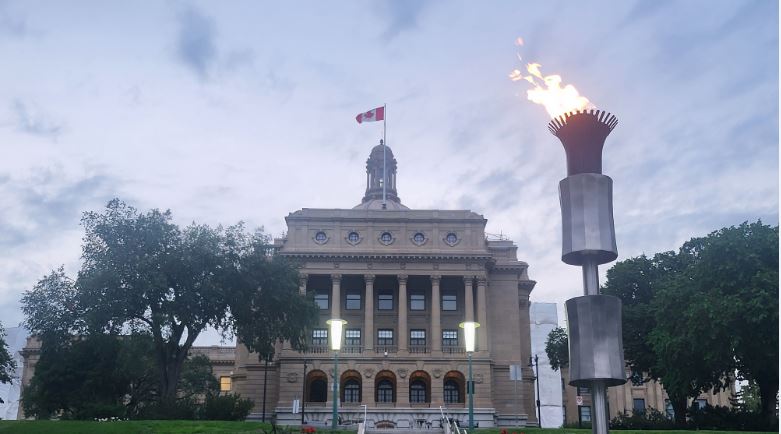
[[381, 181]]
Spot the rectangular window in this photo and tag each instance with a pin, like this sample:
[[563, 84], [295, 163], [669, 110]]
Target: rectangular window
[[353, 301], [385, 300], [320, 337], [417, 338], [384, 337], [669, 411], [449, 338], [585, 413], [449, 302], [321, 300], [225, 384], [352, 337], [638, 406], [701, 403], [417, 301]]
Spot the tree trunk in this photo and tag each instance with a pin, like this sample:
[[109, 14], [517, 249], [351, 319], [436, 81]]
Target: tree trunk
[[767, 394], [679, 407]]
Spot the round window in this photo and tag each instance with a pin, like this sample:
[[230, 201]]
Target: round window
[[320, 237], [353, 237], [419, 238], [386, 237], [451, 238]]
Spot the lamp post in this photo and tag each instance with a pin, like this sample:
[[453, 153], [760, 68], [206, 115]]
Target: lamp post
[[535, 363], [303, 396], [470, 328], [336, 345]]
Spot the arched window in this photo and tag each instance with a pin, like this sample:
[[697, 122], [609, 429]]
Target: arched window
[[385, 391], [417, 392], [318, 390], [352, 391], [453, 387], [451, 392]]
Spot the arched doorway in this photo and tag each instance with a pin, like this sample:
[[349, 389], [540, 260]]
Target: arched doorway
[[419, 388], [385, 387], [453, 387], [316, 386], [351, 387]]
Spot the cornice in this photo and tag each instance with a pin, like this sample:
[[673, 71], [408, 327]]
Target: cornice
[[387, 257]]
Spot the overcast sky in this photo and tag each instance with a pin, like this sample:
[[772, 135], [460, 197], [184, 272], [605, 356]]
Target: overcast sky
[[228, 111]]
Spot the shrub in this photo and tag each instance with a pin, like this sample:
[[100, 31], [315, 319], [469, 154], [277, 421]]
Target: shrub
[[649, 419], [226, 407], [728, 418]]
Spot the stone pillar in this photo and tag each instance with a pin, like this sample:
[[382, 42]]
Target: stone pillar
[[469, 302], [302, 279], [403, 332], [436, 323], [368, 313], [336, 295], [482, 315]]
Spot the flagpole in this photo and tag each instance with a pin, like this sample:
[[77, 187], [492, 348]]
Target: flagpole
[[384, 154]]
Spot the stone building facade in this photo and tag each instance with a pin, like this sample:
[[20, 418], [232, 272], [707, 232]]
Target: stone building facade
[[403, 280]]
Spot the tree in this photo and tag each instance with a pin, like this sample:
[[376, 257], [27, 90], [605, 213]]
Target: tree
[[141, 273], [736, 271], [691, 318], [108, 376], [557, 348], [7, 363], [652, 345]]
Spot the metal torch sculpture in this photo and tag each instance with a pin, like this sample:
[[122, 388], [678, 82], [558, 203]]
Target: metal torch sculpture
[[595, 347]]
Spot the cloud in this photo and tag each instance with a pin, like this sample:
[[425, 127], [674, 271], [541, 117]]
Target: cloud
[[39, 226], [31, 119], [401, 15], [196, 46], [10, 24]]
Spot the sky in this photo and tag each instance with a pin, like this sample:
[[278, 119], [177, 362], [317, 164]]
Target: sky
[[245, 111]]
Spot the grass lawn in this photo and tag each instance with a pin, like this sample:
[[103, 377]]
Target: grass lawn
[[218, 427], [131, 427]]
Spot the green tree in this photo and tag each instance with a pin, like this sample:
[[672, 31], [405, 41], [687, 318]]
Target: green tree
[[7, 363], [651, 346], [736, 272], [691, 318], [557, 348], [141, 273]]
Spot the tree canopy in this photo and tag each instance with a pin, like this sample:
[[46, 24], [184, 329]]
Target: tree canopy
[[7, 363], [142, 273], [557, 348], [691, 318]]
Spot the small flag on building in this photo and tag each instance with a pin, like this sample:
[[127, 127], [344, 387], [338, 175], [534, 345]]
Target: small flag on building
[[373, 115]]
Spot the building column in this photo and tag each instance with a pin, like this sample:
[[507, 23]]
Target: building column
[[436, 323], [302, 279], [469, 302], [482, 315], [403, 332], [368, 313], [336, 295]]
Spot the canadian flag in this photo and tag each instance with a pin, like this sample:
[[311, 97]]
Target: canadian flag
[[373, 115]]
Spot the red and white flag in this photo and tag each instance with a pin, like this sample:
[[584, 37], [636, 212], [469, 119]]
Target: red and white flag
[[377, 114]]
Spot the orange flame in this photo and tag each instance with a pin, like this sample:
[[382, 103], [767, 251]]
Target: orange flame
[[547, 90]]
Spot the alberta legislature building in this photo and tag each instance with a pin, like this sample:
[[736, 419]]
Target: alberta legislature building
[[403, 280]]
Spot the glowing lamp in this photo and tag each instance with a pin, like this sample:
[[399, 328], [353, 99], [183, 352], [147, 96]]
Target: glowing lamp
[[336, 332], [470, 329]]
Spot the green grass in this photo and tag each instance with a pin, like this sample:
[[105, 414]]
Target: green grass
[[131, 427], [588, 431], [218, 427]]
